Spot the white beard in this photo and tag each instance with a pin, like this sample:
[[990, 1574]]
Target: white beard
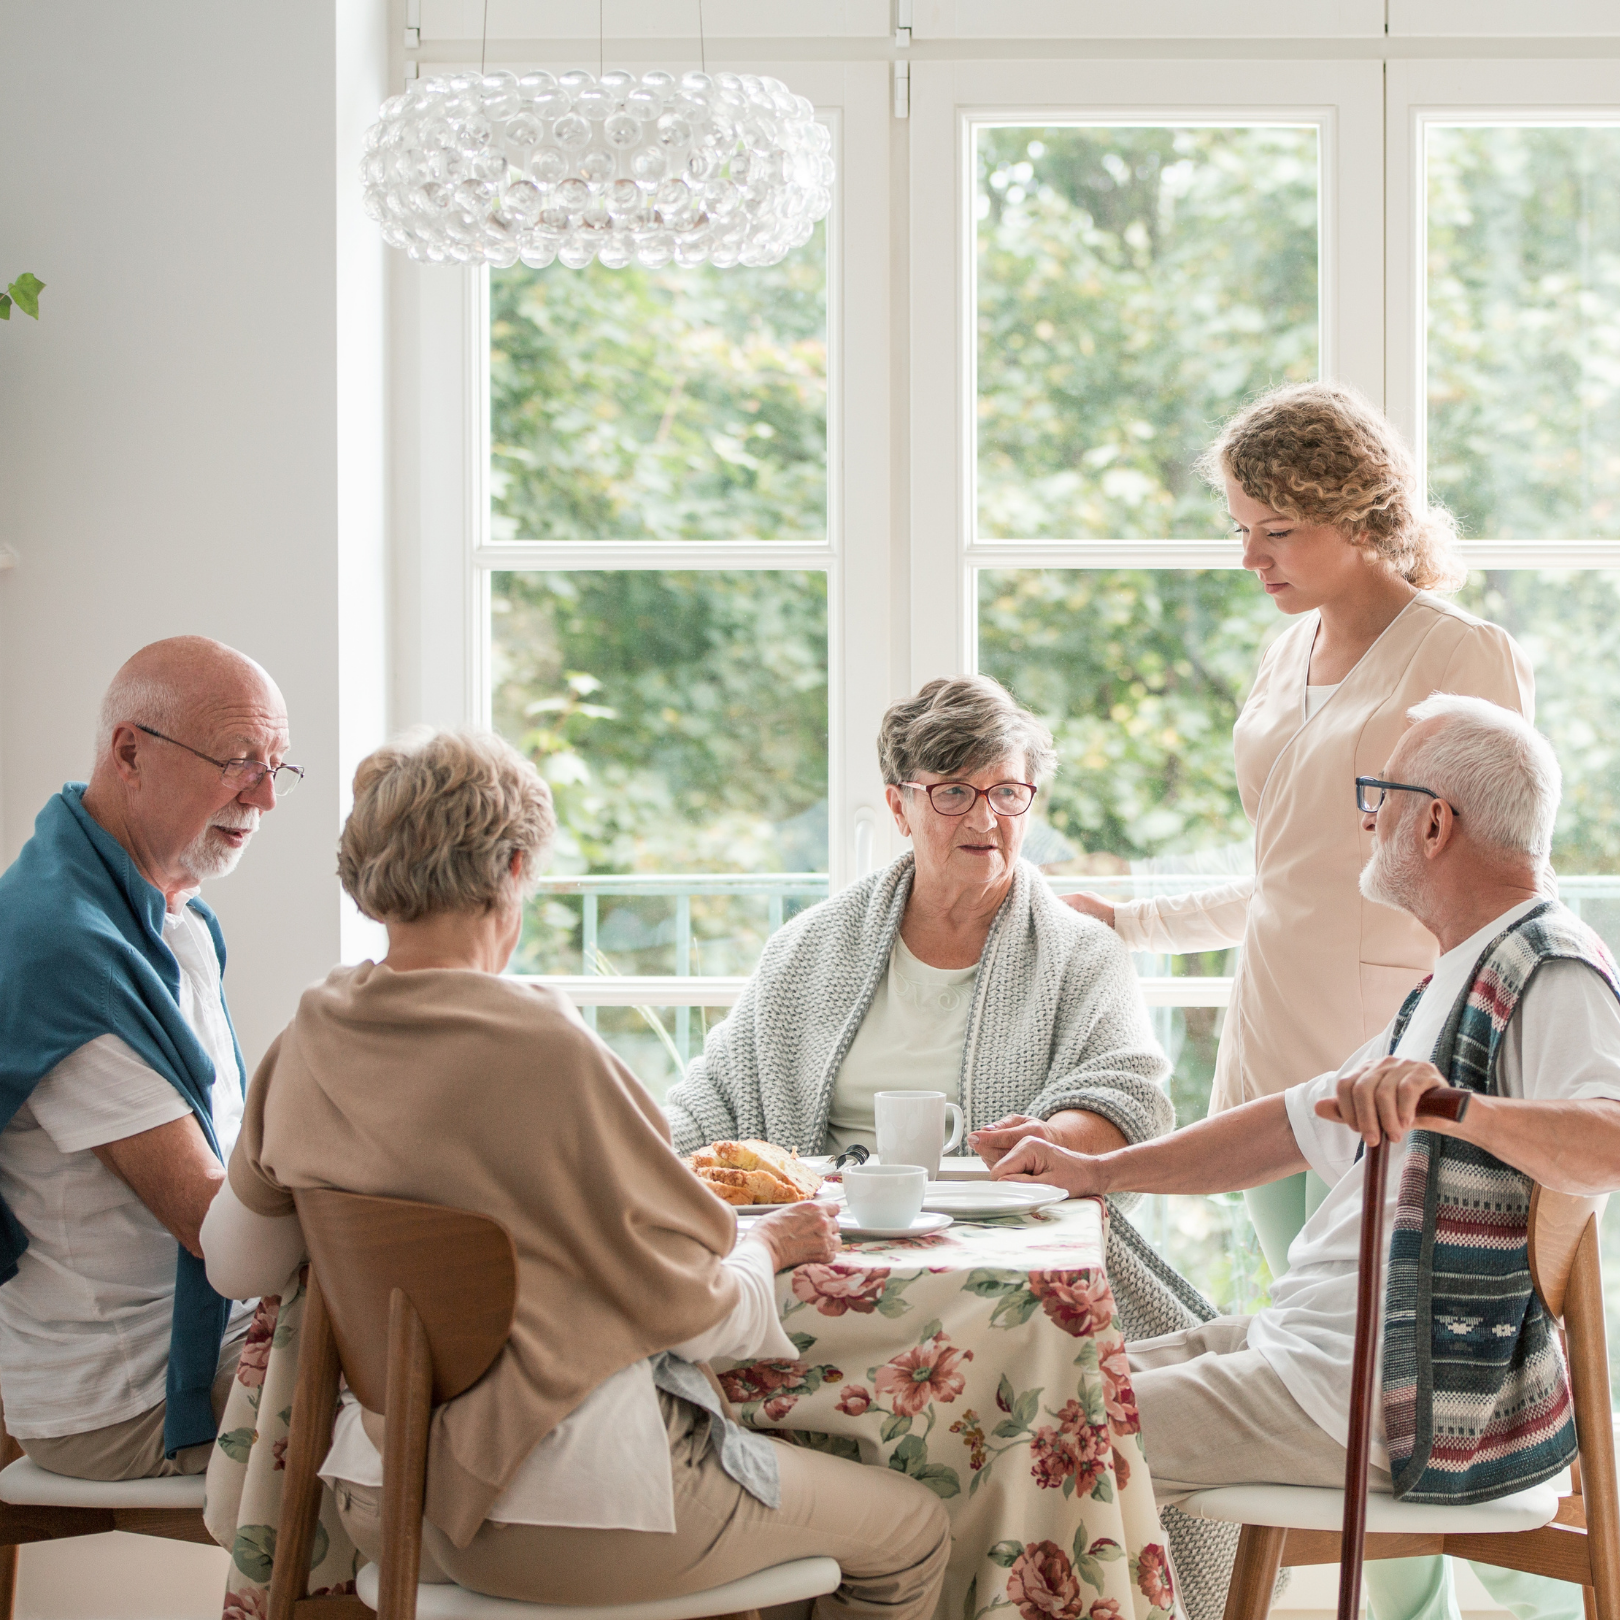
[[208, 855], [1394, 874]]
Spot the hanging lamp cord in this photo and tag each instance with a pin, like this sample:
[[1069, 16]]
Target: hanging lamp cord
[[483, 44]]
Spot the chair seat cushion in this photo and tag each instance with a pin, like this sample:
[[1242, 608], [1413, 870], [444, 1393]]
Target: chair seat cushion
[[1307, 1507], [25, 1484], [784, 1583]]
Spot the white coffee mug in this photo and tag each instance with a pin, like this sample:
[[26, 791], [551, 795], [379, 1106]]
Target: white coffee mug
[[886, 1196], [911, 1128]]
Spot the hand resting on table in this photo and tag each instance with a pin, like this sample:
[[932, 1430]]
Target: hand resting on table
[[799, 1234]]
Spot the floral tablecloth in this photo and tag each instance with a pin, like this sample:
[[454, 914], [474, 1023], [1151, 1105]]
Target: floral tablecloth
[[985, 1361]]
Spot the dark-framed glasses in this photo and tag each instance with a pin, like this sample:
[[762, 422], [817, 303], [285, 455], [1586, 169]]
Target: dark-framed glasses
[[240, 775], [1371, 793], [957, 798]]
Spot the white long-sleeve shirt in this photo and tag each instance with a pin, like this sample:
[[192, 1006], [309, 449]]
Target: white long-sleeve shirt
[[606, 1465]]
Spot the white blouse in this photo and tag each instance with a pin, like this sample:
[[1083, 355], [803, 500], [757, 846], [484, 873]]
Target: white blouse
[[606, 1465]]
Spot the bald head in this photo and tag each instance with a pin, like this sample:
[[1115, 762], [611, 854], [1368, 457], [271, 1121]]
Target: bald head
[[173, 717], [181, 685]]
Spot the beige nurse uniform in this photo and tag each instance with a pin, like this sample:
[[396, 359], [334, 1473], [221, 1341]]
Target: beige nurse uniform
[[1322, 969]]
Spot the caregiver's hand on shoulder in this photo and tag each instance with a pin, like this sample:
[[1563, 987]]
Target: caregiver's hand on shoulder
[[998, 1139], [1093, 905], [799, 1234], [1036, 1160], [1381, 1100]]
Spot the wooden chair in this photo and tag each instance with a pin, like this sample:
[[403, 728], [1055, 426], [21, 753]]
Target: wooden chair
[[36, 1505], [1573, 1538], [411, 1303]]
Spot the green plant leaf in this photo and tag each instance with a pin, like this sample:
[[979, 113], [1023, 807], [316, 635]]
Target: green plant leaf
[[255, 1551], [5, 306], [25, 290], [801, 1342], [1079, 1541], [237, 1443], [896, 1423], [970, 1603], [1005, 1553], [1106, 1550], [1015, 1310], [987, 1284], [1068, 1487], [942, 1481], [1026, 1406], [1090, 1571], [1005, 1395], [894, 1302], [1103, 1490], [1088, 1355], [1007, 1429], [931, 1331], [909, 1456]]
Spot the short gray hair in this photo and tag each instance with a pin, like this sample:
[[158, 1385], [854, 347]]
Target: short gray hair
[[1495, 769], [137, 699], [961, 724], [437, 818]]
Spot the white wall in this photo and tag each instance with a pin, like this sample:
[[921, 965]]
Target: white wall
[[170, 430], [192, 440]]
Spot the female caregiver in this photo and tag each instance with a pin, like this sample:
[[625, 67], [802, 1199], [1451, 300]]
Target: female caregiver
[[1327, 501]]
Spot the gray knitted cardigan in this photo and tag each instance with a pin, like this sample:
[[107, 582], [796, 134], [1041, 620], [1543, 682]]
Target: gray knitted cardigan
[[1058, 1021]]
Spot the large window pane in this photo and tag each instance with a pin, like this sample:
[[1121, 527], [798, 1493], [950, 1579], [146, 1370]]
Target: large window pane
[[1524, 329], [660, 404], [1134, 286], [681, 720]]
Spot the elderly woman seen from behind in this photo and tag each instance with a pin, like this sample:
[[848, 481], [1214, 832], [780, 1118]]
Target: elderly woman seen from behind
[[955, 970], [593, 1463]]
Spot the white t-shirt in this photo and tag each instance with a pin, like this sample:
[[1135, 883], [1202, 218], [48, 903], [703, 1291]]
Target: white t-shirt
[[1563, 1044], [84, 1325], [910, 1040], [1316, 696], [606, 1465]]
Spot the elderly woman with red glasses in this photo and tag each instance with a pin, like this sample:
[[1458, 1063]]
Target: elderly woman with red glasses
[[954, 969]]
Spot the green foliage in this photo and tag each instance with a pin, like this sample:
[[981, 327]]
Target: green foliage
[[24, 293], [1524, 329], [660, 405], [1134, 285]]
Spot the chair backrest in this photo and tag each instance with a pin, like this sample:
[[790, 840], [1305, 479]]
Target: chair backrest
[[459, 1271], [1557, 1223]]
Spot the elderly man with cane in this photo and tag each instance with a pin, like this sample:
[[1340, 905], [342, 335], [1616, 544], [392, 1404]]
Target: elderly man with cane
[[1523, 1011]]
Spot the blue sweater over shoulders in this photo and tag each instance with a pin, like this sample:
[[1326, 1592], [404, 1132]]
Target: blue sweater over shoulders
[[82, 955]]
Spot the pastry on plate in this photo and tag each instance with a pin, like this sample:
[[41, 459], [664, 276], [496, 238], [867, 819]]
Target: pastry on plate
[[754, 1172]]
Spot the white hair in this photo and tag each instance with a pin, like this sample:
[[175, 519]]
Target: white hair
[[137, 699], [1493, 767]]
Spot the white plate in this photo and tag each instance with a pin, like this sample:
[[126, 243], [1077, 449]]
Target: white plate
[[924, 1224], [965, 1200]]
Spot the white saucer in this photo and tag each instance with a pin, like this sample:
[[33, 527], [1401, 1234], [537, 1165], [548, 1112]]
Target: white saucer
[[924, 1224], [967, 1201]]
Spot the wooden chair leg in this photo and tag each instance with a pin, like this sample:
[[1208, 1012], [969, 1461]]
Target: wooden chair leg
[[410, 1409], [1254, 1573], [1589, 1599], [1589, 1379], [8, 1582]]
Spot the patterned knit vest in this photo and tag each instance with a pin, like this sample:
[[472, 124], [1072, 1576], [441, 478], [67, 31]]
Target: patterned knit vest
[[1476, 1398]]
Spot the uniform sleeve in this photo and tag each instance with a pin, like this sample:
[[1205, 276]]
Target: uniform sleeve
[[254, 1185], [102, 1093], [1489, 663], [1174, 924]]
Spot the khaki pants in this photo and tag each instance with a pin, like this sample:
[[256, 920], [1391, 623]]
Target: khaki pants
[[133, 1449], [890, 1535], [1214, 1413]]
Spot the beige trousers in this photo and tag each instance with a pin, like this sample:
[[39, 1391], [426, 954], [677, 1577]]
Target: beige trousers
[[1214, 1413], [890, 1535], [133, 1449]]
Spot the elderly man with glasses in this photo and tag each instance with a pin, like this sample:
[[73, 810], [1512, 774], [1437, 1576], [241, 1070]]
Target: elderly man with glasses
[[120, 1078], [1523, 1008]]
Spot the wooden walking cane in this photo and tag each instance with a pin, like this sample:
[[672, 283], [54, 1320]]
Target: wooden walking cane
[[1444, 1102]]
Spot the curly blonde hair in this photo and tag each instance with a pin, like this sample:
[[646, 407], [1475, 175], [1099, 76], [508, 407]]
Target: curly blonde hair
[[437, 818], [1324, 453]]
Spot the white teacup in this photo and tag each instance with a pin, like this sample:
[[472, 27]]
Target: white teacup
[[885, 1195], [911, 1128]]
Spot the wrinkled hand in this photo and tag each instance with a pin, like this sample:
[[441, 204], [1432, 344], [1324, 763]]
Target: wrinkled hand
[[996, 1140], [1092, 905], [1381, 1100], [1034, 1159], [799, 1234]]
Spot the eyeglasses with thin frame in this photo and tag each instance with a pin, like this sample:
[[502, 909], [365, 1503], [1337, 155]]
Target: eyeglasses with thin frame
[[1365, 785], [240, 775], [957, 798]]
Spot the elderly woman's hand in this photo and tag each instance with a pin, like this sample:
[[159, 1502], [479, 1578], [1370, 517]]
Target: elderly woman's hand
[[799, 1234], [1000, 1138], [1034, 1160], [1092, 905]]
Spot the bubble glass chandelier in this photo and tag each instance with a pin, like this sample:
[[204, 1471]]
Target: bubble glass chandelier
[[621, 169]]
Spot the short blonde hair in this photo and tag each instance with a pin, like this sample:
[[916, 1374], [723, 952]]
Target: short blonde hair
[[437, 818], [1323, 453]]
